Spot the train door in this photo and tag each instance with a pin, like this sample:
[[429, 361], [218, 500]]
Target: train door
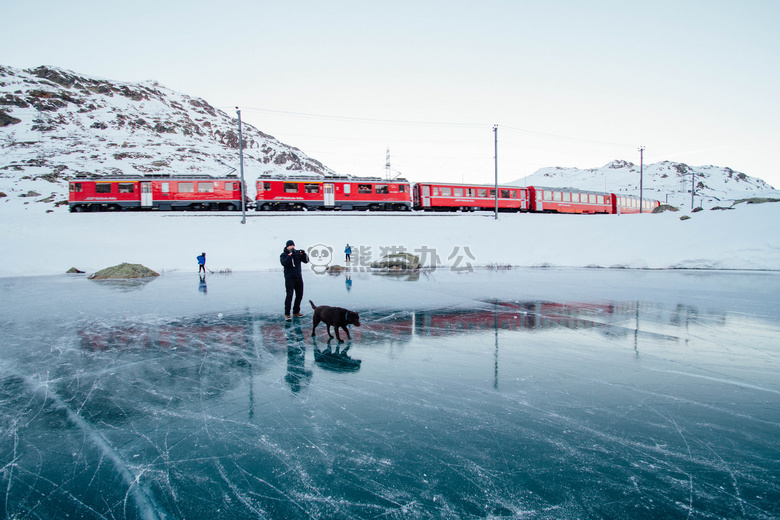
[[330, 198], [146, 194], [426, 196]]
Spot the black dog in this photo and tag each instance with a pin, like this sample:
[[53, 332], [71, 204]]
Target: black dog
[[335, 317]]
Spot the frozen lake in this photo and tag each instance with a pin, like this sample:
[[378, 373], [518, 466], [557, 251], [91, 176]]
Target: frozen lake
[[511, 394]]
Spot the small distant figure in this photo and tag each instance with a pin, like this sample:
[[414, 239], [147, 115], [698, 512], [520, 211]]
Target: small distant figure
[[348, 252], [202, 263], [292, 259]]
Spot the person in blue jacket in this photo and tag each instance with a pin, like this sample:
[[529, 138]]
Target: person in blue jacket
[[292, 259], [348, 252], [202, 263]]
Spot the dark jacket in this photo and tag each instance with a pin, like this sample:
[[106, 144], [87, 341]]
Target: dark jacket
[[292, 263]]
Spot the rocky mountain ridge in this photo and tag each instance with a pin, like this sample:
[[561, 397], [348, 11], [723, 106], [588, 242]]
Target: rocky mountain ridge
[[667, 181], [55, 124]]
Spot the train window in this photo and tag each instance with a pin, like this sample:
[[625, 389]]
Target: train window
[[347, 189], [364, 188], [504, 194], [401, 188], [311, 188], [126, 187], [458, 192], [591, 198], [205, 187], [492, 194], [77, 187], [469, 192], [556, 195], [291, 187], [482, 192], [600, 199], [166, 187], [102, 187], [381, 188], [229, 186], [446, 192], [186, 187], [267, 186], [547, 195]]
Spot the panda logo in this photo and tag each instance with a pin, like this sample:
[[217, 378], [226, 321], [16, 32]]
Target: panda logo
[[320, 257]]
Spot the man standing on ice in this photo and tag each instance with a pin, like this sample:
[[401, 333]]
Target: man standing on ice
[[201, 263], [292, 259]]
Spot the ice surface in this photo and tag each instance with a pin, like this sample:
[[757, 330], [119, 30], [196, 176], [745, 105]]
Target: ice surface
[[517, 394]]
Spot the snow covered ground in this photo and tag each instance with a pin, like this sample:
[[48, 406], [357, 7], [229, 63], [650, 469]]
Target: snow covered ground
[[40, 243]]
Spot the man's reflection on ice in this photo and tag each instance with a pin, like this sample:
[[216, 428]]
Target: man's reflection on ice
[[297, 376]]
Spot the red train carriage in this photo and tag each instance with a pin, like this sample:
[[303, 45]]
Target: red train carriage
[[630, 204], [568, 200], [469, 197], [193, 192], [297, 193]]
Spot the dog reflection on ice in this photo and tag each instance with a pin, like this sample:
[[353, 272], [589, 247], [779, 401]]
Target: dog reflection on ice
[[337, 360]]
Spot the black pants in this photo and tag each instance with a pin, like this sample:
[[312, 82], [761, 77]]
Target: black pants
[[201, 267], [293, 283]]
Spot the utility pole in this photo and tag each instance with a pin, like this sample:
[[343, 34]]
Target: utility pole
[[241, 163], [641, 167], [495, 143], [693, 186]]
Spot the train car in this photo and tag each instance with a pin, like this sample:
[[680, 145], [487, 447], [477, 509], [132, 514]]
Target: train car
[[191, 192], [568, 200], [623, 204], [469, 197], [334, 193]]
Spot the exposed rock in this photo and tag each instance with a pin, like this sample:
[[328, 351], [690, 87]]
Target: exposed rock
[[757, 200], [664, 207], [123, 271], [405, 261], [73, 270], [6, 120], [30, 193]]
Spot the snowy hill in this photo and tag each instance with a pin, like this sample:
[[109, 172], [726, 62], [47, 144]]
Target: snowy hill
[[715, 186], [55, 124]]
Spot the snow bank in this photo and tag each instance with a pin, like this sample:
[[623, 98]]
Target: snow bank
[[39, 243]]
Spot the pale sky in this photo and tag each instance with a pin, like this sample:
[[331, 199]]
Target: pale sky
[[569, 83]]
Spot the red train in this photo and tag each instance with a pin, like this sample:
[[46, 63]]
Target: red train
[[473, 197], [337, 193], [192, 192], [296, 193]]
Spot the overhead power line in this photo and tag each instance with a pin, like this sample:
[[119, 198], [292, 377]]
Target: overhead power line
[[432, 123], [363, 119]]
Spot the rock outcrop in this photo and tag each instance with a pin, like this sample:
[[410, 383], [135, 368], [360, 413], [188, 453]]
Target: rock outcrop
[[123, 271]]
